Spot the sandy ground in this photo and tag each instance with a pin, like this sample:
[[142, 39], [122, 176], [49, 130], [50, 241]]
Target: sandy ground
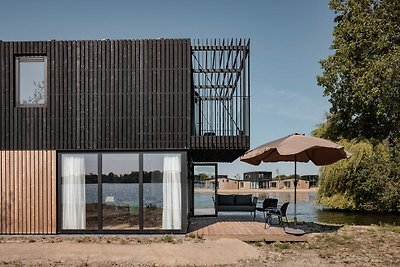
[[333, 246], [207, 252]]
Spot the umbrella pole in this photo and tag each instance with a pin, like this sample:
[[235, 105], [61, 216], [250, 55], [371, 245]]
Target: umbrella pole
[[295, 189]]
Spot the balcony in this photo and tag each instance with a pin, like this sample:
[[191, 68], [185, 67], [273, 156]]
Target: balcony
[[221, 99]]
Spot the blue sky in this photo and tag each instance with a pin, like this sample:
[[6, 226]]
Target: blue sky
[[288, 38]]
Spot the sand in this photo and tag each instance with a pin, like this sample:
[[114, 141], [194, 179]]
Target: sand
[[206, 252], [328, 245]]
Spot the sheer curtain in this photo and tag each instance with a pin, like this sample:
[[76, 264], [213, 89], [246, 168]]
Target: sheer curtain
[[73, 192], [172, 204]]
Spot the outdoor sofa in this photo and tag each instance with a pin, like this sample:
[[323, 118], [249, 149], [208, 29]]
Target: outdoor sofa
[[234, 203]]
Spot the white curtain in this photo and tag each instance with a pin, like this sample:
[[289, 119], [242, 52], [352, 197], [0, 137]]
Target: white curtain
[[73, 192], [172, 204]]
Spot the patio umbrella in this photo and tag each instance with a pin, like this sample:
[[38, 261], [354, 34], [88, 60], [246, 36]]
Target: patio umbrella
[[297, 148]]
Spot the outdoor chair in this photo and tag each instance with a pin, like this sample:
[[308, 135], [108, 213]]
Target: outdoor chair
[[268, 205], [280, 214]]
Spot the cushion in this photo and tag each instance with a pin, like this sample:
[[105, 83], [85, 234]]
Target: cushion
[[242, 208], [243, 200], [226, 200]]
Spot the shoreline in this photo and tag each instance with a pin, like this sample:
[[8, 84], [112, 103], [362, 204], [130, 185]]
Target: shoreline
[[260, 190]]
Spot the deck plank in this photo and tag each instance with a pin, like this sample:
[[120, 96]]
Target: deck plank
[[242, 228]]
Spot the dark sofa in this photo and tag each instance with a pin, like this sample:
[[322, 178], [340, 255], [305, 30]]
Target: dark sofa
[[232, 203]]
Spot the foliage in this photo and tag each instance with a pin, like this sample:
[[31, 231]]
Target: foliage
[[368, 181], [362, 77]]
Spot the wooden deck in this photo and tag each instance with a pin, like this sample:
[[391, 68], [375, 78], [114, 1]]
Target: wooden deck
[[240, 227]]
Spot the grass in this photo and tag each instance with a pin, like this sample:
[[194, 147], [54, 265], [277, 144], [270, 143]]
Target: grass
[[391, 228], [167, 239], [365, 245]]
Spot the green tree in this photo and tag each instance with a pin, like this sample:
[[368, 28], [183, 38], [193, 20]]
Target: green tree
[[368, 181], [362, 77]]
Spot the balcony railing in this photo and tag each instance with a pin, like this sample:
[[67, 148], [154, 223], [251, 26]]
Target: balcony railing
[[221, 85]]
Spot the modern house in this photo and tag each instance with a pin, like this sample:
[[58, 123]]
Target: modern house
[[312, 179], [289, 183], [258, 179], [108, 136]]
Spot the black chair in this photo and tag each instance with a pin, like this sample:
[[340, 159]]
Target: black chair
[[269, 204], [281, 213]]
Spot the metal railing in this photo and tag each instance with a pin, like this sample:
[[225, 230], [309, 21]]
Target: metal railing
[[221, 83]]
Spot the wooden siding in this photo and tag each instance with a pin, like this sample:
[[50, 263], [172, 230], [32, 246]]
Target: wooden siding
[[28, 192], [101, 95], [218, 148]]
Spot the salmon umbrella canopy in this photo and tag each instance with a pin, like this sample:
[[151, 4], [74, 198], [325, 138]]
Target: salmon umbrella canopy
[[297, 148]]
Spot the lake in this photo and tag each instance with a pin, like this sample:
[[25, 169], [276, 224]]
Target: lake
[[308, 211]]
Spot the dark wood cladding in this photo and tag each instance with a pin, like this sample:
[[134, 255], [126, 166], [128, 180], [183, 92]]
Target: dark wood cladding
[[28, 192], [218, 148], [101, 95]]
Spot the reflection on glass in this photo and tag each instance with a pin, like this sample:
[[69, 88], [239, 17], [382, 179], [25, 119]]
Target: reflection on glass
[[162, 191], [204, 190], [31, 80], [120, 177], [79, 191]]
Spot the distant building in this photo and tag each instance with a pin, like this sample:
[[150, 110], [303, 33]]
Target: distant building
[[289, 183], [227, 183], [258, 179], [312, 179], [223, 182], [245, 184]]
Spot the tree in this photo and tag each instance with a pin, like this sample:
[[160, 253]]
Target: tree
[[38, 94], [368, 181], [362, 77]]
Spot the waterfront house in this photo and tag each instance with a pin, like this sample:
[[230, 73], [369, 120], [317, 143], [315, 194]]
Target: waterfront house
[[258, 179], [289, 183], [108, 136]]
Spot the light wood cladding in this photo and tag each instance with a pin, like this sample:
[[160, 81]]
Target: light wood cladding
[[28, 192]]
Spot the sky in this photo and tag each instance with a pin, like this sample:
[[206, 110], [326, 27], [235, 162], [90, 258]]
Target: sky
[[288, 38]]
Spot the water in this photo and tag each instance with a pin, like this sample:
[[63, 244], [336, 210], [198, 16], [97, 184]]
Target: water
[[308, 211], [127, 194]]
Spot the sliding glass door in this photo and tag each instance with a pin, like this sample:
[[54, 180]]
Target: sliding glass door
[[121, 191], [162, 191]]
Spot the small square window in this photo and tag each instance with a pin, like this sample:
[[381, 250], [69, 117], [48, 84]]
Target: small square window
[[31, 81]]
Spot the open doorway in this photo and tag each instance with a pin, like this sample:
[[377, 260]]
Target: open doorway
[[204, 189]]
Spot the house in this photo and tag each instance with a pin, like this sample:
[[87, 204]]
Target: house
[[258, 179], [111, 136], [289, 183], [312, 179], [227, 183], [245, 185], [223, 182]]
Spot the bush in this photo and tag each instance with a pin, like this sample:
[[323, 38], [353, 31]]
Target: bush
[[368, 181]]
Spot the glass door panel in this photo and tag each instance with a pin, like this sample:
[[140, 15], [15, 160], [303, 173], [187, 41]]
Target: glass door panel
[[162, 191], [79, 192], [204, 190], [120, 191]]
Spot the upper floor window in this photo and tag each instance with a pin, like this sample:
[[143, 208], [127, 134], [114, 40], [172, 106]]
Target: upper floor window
[[31, 81]]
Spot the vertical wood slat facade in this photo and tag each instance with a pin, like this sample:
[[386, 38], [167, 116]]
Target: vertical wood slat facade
[[28, 192], [101, 95], [98, 92]]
